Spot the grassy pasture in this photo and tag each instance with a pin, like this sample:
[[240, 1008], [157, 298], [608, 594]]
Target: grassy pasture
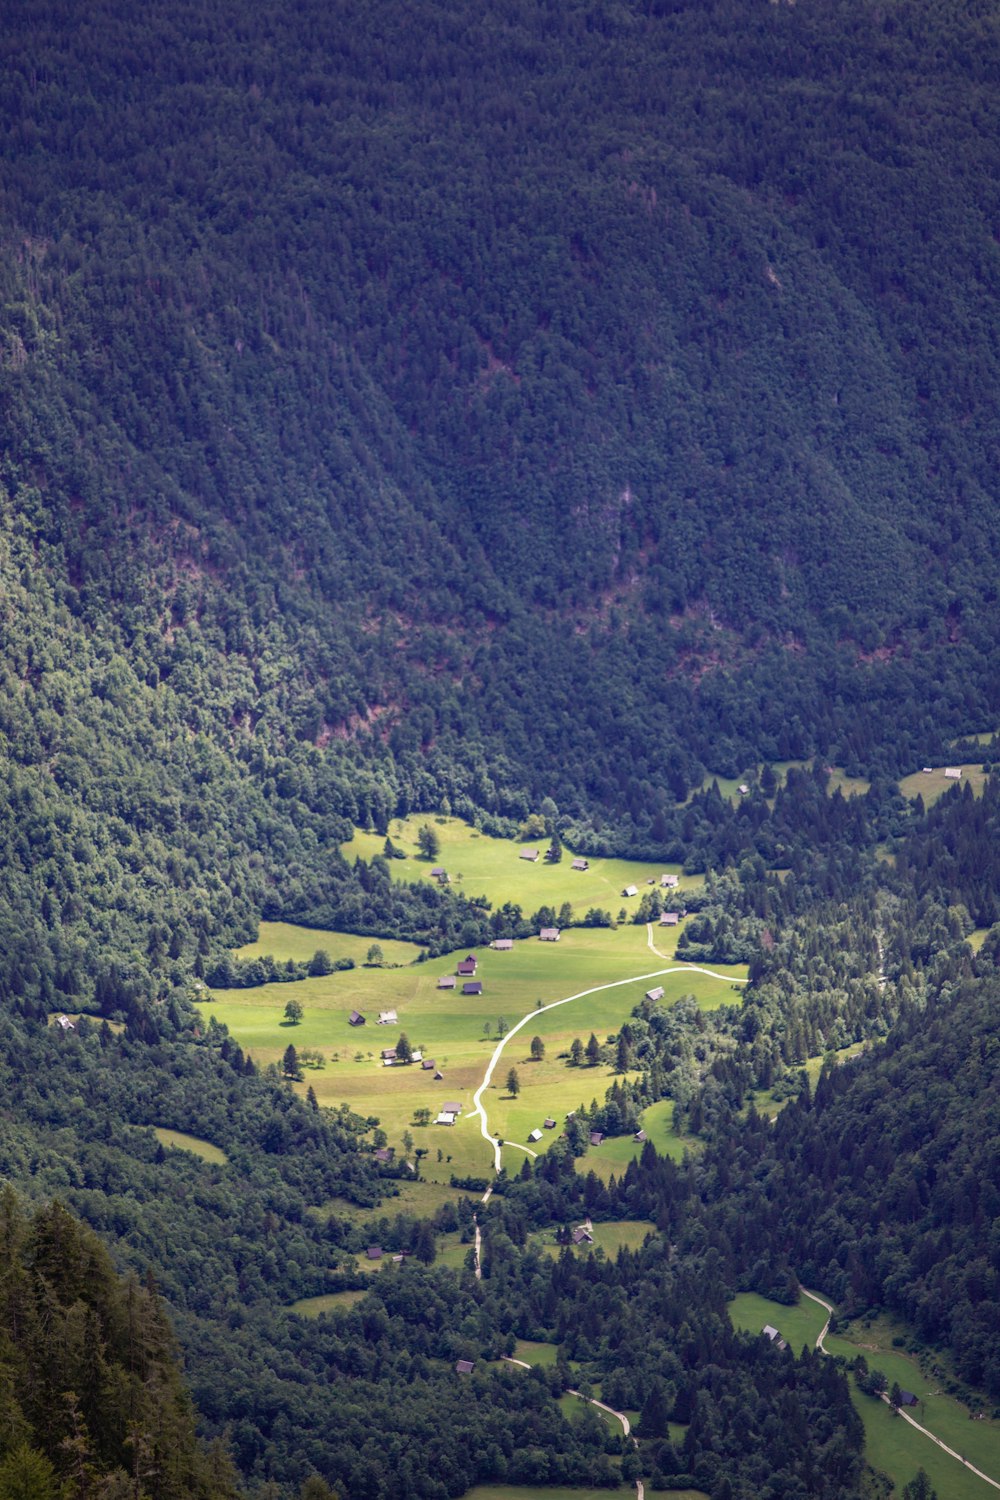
[[179, 1141], [559, 1492], [284, 940], [615, 1235], [612, 1157], [331, 1302], [933, 784], [450, 1029], [941, 1413], [797, 1325], [729, 786], [891, 1444], [483, 866]]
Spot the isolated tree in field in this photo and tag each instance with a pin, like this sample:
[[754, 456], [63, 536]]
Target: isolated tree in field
[[422, 1116], [513, 1083], [593, 1050], [919, 1488], [428, 842], [294, 1012], [895, 1396], [554, 853], [404, 1052], [537, 1049], [576, 1052], [502, 1027], [374, 956], [290, 1063], [407, 1142]]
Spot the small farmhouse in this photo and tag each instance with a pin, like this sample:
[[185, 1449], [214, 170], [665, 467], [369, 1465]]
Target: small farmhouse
[[374, 1252], [549, 935], [596, 1137], [669, 919], [439, 873], [531, 854], [467, 965], [668, 880], [387, 1018], [580, 864], [549, 1124], [631, 890], [473, 987], [388, 1056], [655, 993], [502, 945], [355, 1018], [445, 1118], [953, 773], [446, 982], [464, 1366], [640, 1135], [534, 1135]]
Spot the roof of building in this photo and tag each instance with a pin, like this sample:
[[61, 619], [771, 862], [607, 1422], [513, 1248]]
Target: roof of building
[[580, 864], [596, 1137], [452, 1108], [534, 1135], [549, 935], [503, 945], [356, 1018], [528, 854], [446, 982], [656, 993], [631, 890], [464, 1366], [374, 1252], [473, 987]]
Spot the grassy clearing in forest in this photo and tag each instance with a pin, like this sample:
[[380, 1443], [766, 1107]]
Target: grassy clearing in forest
[[330, 1302], [930, 785], [179, 1141], [479, 865], [459, 1033], [797, 1325], [891, 1444]]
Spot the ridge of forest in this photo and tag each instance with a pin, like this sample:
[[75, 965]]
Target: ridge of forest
[[534, 413]]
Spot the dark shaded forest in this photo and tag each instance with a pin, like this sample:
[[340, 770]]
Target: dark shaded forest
[[407, 409]]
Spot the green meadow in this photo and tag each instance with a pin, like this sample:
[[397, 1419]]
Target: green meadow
[[179, 1141], [797, 1325], [838, 780], [331, 1302], [892, 1445], [479, 865], [459, 1033], [612, 1236], [933, 784]]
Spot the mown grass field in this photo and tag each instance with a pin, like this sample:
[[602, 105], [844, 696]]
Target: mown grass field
[[933, 784], [452, 1030], [615, 1235], [891, 1444], [479, 865], [612, 1157], [797, 1325], [179, 1141], [330, 1302]]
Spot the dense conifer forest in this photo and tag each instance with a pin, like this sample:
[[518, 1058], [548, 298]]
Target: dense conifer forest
[[536, 410]]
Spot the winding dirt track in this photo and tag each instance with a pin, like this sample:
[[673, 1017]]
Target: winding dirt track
[[477, 1098]]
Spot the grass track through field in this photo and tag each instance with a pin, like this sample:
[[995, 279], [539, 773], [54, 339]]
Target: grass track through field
[[477, 1098]]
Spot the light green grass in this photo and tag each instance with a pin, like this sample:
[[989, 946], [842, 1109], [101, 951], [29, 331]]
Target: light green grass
[[76, 1016], [483, 866], [332, 1302], [942, 1414], [976, 939], [284, 940], [729, 786], [533, 1352], [797, 1325], [617, 1234], [612, 1157], [450, 1028], [891, 1444], [181, 1142], [422, 1199], [933, 784]]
